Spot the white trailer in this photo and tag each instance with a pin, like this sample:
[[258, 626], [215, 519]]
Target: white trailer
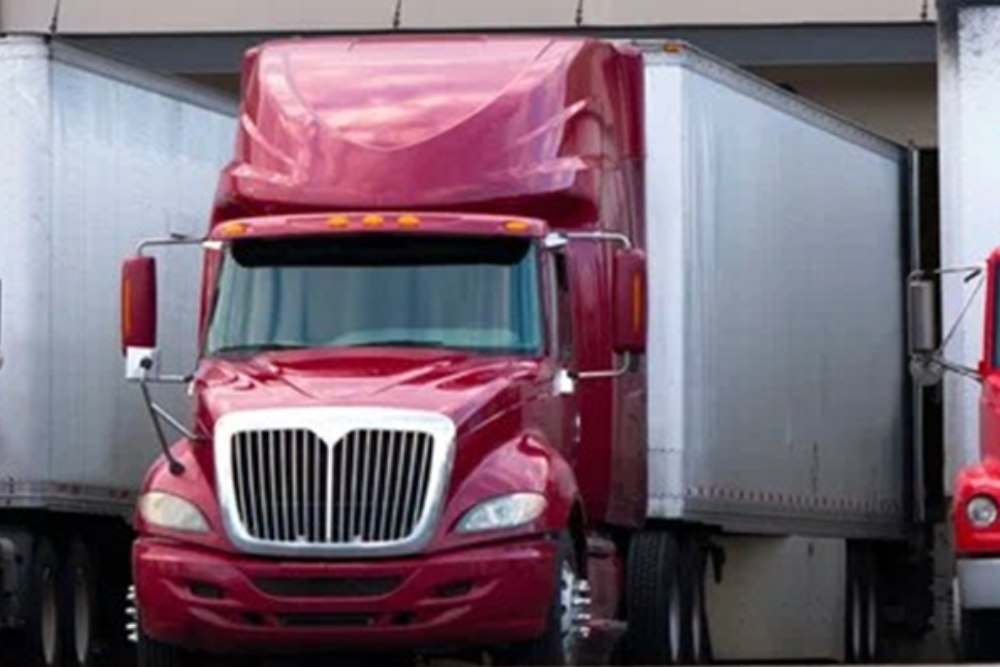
[[780, 406], [96, 157]]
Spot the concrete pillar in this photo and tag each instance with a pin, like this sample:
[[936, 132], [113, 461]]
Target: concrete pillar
[[969, 118]]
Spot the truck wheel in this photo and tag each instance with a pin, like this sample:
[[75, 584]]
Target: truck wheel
[[560, 643], [80, 603], [658, 629], [979, 635], [153, 653], [693, 582], [43, 636], [862, 614]]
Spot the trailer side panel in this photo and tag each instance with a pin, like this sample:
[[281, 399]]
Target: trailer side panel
[[776, 245]]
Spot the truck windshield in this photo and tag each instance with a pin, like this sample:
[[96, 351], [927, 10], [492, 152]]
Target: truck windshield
[[468, 293]]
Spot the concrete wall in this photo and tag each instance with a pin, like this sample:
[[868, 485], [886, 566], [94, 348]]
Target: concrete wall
[[896, 101], [130, 16], [969, 105]]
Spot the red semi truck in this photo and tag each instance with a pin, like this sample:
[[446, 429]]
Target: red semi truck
[[975, 516], [975, 512], [517, 344], [963, 304]]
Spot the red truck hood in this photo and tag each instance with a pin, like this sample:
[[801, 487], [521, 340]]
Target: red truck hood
[[457, 384]]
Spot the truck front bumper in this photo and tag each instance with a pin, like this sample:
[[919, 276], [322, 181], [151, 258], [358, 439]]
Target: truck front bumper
[[979, 583], [224, 604]]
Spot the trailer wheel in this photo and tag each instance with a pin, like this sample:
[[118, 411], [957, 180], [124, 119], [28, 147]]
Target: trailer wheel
[[693, 581], [658, 628], [80, 603], [560, 643], [979, 635], [43, 636], [862, 627]]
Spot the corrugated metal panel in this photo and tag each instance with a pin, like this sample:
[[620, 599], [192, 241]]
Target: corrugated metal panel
[[25, 202], [511, 13], [185, 16], [109, 164], [26, 15], [721, 12], [777, 355]]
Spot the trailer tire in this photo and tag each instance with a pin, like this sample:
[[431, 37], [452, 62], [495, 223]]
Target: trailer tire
[[43, 640], [80, 605], [862, 626], [560, 643], [693, 580], [979, 635], [658, 629]]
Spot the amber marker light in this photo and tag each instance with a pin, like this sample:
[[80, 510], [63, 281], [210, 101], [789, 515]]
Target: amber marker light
[[234, 229], [516, 226]]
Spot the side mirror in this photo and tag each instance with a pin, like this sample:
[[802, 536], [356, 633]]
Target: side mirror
[[138, 317], [630, 302], [923, 317]]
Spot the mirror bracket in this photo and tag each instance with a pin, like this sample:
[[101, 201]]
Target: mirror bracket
[[171, 241], [928, 363], [557, 240], [606, 375], [564, 383], [142, 364]]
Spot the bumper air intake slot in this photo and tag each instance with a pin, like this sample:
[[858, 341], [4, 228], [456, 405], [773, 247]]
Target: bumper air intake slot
[[366, 587], [325, 620]]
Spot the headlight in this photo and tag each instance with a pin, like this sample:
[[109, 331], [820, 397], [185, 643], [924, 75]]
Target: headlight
[[981, 511], [510, 511], [169, 511]]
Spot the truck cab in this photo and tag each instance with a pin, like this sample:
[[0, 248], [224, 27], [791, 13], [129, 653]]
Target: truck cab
[[975, 525]]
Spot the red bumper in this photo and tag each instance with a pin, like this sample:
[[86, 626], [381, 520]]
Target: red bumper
[[226, 605]]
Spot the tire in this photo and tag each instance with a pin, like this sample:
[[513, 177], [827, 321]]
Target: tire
[[693, 571], [80, 605], [153, 653], [559, 645], [861, 618], [979, 635], [43, 639], [658, 630]]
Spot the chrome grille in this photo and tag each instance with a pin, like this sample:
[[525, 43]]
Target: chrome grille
[[292, 487]]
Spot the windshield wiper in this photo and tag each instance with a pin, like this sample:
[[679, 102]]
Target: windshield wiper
[[255, 348]]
